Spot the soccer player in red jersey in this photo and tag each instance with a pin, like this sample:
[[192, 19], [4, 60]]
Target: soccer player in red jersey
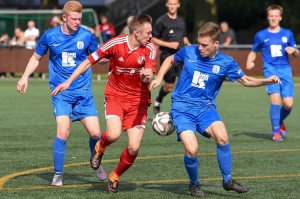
[[127, 98]]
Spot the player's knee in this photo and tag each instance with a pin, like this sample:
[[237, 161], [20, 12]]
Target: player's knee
[[63, 135], [192, 152], [112, 137], [94, 134], [222, 139], [288, 105], [169, 87], [133, 150]]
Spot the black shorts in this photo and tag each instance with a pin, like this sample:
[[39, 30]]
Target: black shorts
[[170, 76]]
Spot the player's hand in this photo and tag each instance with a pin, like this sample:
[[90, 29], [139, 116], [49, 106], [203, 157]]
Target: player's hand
[[272, 80], [249, 65], [103, 61], [290, 50], [22, 85], [174, 45], [154, 83], [61, 87], [146, 75]]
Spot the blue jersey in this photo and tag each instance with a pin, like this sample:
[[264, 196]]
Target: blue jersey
[[272, 45], [201, 78], [66, 53]]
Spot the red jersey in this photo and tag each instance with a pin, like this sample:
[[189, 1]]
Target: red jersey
[[124, 81]]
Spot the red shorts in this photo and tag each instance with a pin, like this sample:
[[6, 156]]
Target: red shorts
[[130, 115]]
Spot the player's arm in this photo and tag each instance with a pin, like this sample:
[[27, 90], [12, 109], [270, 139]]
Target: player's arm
[[250, 60], [79, 70], [166, 65], [159, 42], [30, 68], [186, 41], [292, 51], [255, 82]]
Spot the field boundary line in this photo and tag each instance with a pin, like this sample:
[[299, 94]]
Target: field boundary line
[[6, 178], [145, 182]]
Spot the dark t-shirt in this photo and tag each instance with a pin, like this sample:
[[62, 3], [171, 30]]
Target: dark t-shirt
[[169, 30], [229, 33]]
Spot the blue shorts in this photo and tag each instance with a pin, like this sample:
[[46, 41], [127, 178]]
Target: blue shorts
[[286, 89], [75, 104], [196, 119]]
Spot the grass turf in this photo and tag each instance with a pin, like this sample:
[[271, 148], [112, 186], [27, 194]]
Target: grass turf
[[271, 170]]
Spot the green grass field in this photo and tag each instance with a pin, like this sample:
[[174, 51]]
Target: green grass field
[[271, 170]]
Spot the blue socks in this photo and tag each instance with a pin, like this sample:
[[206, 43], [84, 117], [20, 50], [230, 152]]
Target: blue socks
[[275, 116], [191, 166], [92, 144], [224, 160], [59, 151], [284, 112]]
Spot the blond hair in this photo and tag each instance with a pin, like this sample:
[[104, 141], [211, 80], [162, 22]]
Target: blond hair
[[72, 6], [137, 21], [211, 30], [275, 7]]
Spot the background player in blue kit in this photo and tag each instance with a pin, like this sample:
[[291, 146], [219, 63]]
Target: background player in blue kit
[[69, 45], [276, 43], [193, 108]]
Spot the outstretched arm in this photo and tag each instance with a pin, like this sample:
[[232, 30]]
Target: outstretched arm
[[292, 51], [79, 70], [250, 60], [162, 71], [30, 68], [254, 82]]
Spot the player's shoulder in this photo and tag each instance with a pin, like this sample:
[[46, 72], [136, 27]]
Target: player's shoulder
[[114, 42], [224, 57], [162, 18], [286, 30], [150, 45]]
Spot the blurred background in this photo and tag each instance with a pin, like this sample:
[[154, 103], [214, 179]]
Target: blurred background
[[245, 18]]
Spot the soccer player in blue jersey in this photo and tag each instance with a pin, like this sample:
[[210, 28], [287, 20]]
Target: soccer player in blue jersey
[[69, 45], [275, 44], [193, 107]]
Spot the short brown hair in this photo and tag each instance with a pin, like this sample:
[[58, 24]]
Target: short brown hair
[[138, 20], [275, 7], [72, 6], [210, 29]]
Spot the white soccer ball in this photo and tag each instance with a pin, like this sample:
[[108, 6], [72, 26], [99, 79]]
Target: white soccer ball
[[163, 124]]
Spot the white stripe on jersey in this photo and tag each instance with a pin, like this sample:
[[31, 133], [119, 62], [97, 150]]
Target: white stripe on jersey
[[113, 42], [152, 50]]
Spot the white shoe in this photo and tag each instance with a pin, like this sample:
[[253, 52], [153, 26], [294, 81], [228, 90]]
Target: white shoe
[[101, 174], [57, 180]]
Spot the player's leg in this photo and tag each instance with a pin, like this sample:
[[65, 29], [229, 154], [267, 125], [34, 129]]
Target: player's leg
[[286, 108], [114, 117], [218, 131], [127, 157], [275, 115], [59, 148], [134, 122], [185, 125], [287, 92], [62, 109], [190, 159], [92, 126]]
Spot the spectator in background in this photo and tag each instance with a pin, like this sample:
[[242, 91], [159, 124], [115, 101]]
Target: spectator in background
[[227, 35], [4, 40], [105, 29], [55, 21], [18, 38], [125, 30], [31, 34]]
